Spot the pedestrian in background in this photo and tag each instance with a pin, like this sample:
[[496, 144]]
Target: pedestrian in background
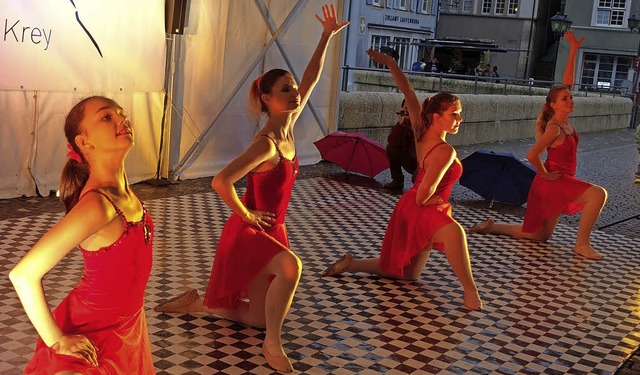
[[401, 150]]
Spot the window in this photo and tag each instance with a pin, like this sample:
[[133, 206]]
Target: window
[[402, 4], [402, 46], [378, 41], [467, 6], [605, 72], [611, 12], [513, 7], [500, 5], [426, 7], [486, 6], [376, 3]]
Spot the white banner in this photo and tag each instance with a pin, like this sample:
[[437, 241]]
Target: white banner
[[82, 45]]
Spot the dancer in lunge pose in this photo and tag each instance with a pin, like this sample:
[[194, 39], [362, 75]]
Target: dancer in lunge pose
[[555, 190], [422, 218], [100, 327], [255, 274]]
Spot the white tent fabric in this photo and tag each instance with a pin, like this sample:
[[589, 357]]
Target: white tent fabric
[[220, 42]]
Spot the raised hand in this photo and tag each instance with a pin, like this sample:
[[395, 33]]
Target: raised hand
[[78, 346], [330, 24], [571, 39], [380, 57]]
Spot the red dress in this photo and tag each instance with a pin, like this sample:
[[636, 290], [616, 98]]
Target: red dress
[[412, 226], [107, 306], [243, 250], [547, 198]]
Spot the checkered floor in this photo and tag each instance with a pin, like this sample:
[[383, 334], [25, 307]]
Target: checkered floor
[[546, 311]]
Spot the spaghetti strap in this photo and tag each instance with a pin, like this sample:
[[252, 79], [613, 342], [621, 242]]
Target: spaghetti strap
[[429, 152], [275, 144], [115, 207]]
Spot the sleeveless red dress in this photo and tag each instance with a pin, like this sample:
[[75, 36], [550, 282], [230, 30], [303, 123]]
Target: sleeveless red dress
[[411, 225], [107, 306], [243, 250], [547, 198]]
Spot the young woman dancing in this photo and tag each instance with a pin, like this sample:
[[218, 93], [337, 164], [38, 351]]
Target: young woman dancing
[[100, 327], [422, 218], [255, 273], [555, 190]]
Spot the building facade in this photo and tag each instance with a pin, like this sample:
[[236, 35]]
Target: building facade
[[397, 24], [517, 27], [607, 60]]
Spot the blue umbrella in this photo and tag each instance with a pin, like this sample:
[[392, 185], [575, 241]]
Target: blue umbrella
[[496, 176]]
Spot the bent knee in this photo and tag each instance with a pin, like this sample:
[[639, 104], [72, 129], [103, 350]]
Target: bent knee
[[600, 192], [289, 265]]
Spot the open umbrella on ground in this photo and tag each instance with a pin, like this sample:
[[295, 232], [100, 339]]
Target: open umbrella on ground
[[354, 153], [499, 177]]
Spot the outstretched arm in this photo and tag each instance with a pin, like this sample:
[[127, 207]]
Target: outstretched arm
[[570, 68], [330, 27], [406, 88]]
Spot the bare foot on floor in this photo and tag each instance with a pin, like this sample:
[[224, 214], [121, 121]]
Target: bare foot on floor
[[340, 266], [482, 228], [181, 303], [588, 252], [472, 301], [279, 362]]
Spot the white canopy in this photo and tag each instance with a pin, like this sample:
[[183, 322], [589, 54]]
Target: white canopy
[[119, 49]]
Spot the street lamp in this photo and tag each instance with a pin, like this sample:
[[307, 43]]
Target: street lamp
[[634, 25], [560, 23]]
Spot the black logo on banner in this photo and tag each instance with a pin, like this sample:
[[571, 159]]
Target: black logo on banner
[[86, 31]]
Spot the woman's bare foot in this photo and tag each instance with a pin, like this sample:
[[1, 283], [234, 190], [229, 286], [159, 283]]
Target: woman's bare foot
[[279, 362], [588, 252], [181, 303], [473, 302], [340, 266], [482, 228]]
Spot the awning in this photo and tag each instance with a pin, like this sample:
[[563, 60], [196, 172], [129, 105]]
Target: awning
[[461, 44]]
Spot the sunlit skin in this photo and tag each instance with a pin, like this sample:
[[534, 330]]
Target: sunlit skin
[[554, 135], [435, 166], [93, 223], [271, 293]]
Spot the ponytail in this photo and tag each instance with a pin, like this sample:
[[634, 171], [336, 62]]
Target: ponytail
[[546, 113], [263, 85], [256, 105], [76, 171], [435, 104]]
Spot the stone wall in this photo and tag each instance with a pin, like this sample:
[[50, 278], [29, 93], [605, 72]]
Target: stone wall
[[487, 118]]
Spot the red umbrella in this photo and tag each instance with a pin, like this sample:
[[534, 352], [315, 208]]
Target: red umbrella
[[354, 152]]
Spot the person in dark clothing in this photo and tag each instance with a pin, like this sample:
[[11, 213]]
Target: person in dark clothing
[[401, 150]]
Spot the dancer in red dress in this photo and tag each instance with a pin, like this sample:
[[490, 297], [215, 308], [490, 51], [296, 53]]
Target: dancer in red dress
[[100, 327], [555, 190], [255, 274], [422, 218]]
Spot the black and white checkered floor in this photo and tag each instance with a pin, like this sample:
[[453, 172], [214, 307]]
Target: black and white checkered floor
[[546, 311]]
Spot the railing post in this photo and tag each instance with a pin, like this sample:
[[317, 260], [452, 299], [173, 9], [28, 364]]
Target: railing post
[[345, 77]]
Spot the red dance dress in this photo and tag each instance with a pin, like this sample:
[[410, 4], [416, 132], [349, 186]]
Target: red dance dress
[[412, 226], [107, 306], [243, 250], [547, 199]]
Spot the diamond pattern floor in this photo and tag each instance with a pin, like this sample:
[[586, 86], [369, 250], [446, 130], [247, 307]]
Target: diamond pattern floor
[[546, 311]]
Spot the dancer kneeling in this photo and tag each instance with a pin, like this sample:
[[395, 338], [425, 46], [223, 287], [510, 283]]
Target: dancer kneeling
[[255, 274], [422, 218], [555, 190]]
